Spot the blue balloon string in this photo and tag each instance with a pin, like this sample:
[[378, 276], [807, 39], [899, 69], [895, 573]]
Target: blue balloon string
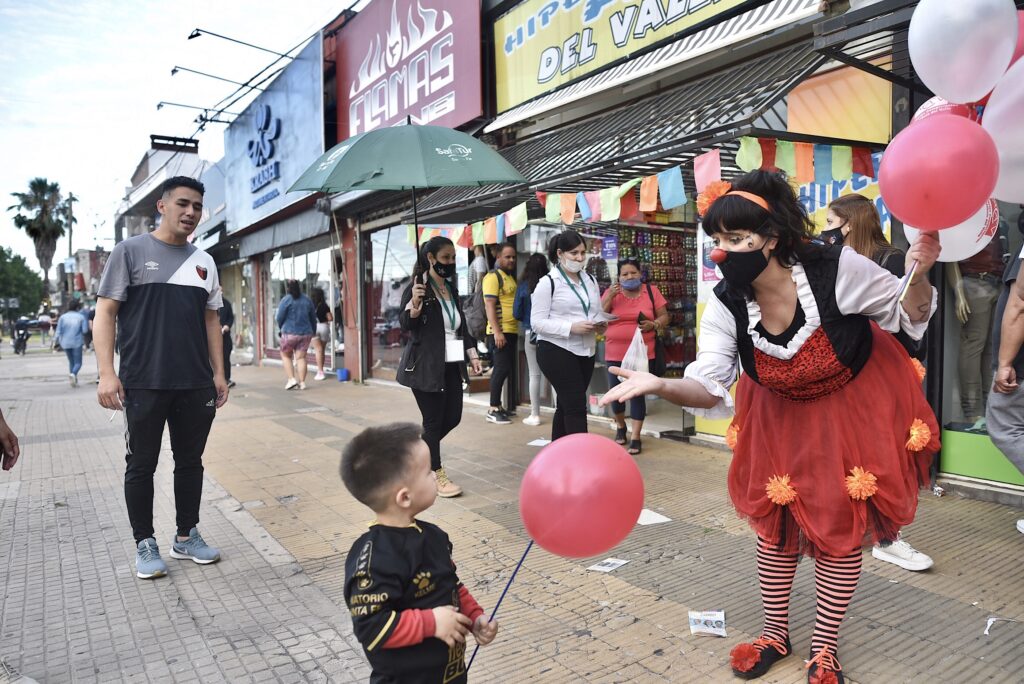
[[498, 604]]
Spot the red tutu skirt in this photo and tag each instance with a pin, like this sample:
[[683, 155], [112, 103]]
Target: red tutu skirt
[[830, 474]]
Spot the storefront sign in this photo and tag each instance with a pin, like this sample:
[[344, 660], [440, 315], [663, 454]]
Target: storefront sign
[[816, 198], [610, 248], [404, 58], [541, 45], [273, 141]]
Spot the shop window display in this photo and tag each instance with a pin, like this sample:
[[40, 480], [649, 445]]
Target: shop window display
[[311, 265]]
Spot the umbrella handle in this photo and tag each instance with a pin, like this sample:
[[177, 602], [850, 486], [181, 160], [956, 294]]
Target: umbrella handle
[[502, 598]]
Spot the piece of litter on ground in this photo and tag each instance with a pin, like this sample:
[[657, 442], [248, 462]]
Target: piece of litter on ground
[[976, 603], [539, 442], [608, 564], [707, 622], [938, 491], [649, 517], [894, 581], [993, 619]]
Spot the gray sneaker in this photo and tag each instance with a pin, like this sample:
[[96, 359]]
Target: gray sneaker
[[194, 548], [148, 563]]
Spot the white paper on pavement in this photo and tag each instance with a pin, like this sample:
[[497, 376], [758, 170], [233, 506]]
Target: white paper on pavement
[[608, 564], [649, 517], [539, 442], [707, 622]]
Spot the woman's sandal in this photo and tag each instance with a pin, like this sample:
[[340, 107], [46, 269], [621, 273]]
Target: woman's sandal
[[635, 447], [752, 660], [620, 435]]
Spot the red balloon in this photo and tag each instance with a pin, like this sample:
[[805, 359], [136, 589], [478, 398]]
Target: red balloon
[[938, 172], [1018, 53], [581, 495]]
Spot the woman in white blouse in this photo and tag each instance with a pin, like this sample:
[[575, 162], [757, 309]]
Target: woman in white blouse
[[566, 316], [832, 435]]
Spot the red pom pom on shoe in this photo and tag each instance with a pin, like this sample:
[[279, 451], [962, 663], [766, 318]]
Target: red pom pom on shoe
[[744, 657], [825, 677]]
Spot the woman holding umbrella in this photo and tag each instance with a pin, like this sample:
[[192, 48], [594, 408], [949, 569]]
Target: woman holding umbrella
[[832, 435], [432, 362]]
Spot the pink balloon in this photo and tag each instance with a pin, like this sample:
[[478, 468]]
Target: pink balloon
[[937, 105], [938, 172], [581, 496]]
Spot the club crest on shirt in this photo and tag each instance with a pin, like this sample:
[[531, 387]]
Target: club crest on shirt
[[201, 271]]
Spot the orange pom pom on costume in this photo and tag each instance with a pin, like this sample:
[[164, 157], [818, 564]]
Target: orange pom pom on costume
[[712, 191], [731, 435], [780, 491], [919, 368], [861, 484], [920, 435]]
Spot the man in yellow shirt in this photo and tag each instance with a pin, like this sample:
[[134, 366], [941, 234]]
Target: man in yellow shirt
[[499, 289]]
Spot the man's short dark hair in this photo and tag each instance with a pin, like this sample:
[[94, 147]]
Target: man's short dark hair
[[181, 182], [377, 458]]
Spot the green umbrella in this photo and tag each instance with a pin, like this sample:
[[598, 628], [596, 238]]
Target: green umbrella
[[406, 158]]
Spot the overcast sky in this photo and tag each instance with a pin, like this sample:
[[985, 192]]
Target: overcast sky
[[80, 81]]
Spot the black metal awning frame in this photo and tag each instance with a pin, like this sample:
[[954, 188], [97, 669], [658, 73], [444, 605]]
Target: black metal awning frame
[[648, 135]]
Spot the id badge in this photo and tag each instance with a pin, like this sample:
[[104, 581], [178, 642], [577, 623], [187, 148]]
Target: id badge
[[454, 351]]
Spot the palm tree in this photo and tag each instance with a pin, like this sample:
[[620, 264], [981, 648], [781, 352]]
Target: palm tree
[[42, 220], [67, 212]]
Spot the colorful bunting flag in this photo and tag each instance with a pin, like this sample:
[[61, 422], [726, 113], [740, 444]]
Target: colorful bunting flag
[[862, 162], [491, 230], [411, 235], [842, 162], [804, 153], [649, 194], [769, 149], [593, 199], [629, 209], [500, 219], [823, 164], [478, 234], [516, 219], [465, 238], [748, 157], [542, 198], [581, 202], [568, 207], [876, 161], [670, 188], [707, 168], [553, 208], [610, 204], [628, 185], [785, 157]]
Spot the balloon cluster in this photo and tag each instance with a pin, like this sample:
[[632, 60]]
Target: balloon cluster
[[965, 146]]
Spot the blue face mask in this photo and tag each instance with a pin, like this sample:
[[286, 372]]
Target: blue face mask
[[633, 284]]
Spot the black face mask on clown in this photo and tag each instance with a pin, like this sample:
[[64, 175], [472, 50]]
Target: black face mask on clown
[[740, 269]]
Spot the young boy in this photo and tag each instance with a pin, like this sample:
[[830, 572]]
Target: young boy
[[409, 609]]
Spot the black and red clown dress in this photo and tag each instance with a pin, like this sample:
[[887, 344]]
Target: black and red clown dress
[[832, 436]]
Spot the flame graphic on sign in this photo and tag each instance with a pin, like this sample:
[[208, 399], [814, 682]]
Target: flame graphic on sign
[[385, 54]]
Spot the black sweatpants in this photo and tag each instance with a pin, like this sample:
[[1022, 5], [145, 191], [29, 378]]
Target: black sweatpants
[[569, 376], [188, 415], [503, 368], [441, 411], [227, 346]]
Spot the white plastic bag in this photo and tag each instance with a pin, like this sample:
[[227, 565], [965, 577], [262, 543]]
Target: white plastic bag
[[635, 358]]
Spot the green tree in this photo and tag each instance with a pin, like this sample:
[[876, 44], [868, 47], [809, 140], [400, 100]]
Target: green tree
[[17, 279], [41, 215]]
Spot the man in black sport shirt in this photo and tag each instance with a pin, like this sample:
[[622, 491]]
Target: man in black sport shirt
[[164, 295]]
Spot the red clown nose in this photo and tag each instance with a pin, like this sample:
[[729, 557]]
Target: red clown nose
[[718, 255]]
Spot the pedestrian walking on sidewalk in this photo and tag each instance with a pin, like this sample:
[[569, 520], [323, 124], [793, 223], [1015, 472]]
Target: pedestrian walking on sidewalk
[[433, 358], [45, 323], [1006, 401], [296, 317], [410, 611], [227, 321], [832, 436], [535, 269], [70, 335], [566, 308], [162, 294], [499, 290], [853, 221], [322, 338], [637, 305]]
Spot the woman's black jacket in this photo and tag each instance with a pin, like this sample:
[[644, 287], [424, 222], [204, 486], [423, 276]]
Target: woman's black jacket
[[422, 363]]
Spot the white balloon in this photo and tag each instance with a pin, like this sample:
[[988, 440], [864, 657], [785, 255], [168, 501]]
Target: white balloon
[[970, 237], [1004, 121], [960, 48]]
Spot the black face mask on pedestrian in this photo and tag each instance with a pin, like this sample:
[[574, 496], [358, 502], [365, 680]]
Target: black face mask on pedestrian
[[740, 269], [444, 270], [833, 237]]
